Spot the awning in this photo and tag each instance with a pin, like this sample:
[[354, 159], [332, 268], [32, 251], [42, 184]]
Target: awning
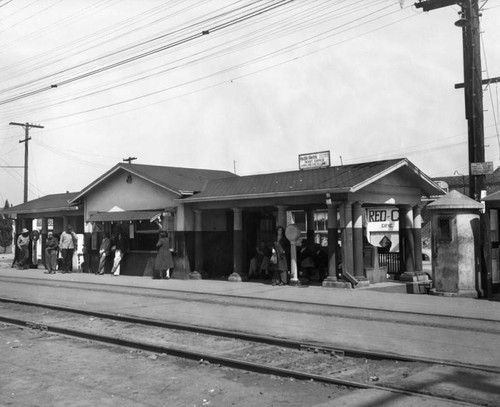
[[125, 216]]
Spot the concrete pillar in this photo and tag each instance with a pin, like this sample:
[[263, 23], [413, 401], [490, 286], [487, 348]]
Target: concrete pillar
[[310, 225], [347, 244], [237, 246], [198, 246], [357, 239], [43, 236], [417, 236], [281, 219], [333, 250], [410, 242], [402, 239]]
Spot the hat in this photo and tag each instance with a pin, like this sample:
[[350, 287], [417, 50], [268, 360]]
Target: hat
[[25, 230]]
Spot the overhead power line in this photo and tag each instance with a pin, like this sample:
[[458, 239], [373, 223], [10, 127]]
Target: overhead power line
[[192, 37]]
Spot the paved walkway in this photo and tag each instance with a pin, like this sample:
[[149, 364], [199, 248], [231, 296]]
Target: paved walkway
[[303, 313]]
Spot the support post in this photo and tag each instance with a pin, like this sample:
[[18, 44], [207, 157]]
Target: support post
[[198, 247], [237, 273]]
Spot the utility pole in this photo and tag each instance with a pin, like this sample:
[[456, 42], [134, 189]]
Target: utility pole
[[27, 127], [469, 22]]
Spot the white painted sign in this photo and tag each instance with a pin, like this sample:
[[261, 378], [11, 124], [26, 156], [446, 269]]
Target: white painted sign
[[314, 160], [481, 168]]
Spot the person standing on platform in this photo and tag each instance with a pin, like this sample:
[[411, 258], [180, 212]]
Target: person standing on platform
[[164, 261], [281, 248], [68, 244], [104, 251], [121, 248], [23, 244], [51, 252]]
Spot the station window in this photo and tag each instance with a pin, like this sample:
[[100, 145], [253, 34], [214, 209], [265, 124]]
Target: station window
[[444, 225]]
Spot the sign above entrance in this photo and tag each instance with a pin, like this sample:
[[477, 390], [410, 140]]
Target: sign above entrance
[[481, 168], [311, 161]]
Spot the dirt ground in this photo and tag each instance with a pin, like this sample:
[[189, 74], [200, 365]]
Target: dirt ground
[[41, 369]]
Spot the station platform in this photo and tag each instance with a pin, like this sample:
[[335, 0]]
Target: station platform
[[462, 330]]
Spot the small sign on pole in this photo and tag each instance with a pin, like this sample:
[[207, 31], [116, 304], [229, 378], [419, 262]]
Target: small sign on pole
[[309, 161], [481, 168]]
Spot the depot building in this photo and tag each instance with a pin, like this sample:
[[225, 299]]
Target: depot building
[[215, 219]]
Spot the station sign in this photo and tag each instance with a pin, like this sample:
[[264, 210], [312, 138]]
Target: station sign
[[382, 219], [310, 161], [481, 168]]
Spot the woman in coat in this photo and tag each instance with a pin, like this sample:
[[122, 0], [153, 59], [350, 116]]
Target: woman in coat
[[281, 247], [164, 261]]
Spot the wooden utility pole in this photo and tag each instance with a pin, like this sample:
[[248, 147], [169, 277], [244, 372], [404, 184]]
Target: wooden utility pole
[[27, 127], [469, 22]]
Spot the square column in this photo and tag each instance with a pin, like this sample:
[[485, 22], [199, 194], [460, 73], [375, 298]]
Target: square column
[[417, 236], [347, 245], [357, 238], [333, 250], [237, 246], [198, 247]]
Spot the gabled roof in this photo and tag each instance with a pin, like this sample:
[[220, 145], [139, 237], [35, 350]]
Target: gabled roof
[[455, 200], [181, 181], [47, 203], [346, 178]]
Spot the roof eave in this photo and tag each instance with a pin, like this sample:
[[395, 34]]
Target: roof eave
[[264, 195]]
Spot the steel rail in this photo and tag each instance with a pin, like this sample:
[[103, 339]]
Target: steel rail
[[224, 361], [268, 340]]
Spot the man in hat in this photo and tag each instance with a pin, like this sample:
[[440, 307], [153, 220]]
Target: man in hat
[[23, 242], [51, 251], [68, 244]]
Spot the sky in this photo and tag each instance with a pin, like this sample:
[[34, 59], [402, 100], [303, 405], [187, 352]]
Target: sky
[[241, 86]]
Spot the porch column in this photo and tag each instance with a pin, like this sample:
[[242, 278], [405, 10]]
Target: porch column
[[237, 246], [333, 247], [281, 219], [358, 241], [347, 251], [410, 243], [43, 237], [310, 224], [402, 239], [198, 247], [417, 236]]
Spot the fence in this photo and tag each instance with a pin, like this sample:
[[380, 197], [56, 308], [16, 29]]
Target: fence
[[391, 260]]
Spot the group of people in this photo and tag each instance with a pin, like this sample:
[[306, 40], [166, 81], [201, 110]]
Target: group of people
[[66, 245], [119, 246], [274, 261]]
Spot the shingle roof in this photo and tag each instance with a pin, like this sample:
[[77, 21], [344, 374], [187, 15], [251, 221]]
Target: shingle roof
[[47, 203], [176, 179], [347, 178]]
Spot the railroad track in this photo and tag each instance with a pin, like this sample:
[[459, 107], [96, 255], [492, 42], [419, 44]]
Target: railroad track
[[303, 361]]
